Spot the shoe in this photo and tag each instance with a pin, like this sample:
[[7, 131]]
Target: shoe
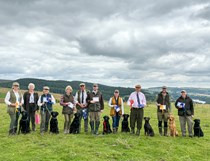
[[132, 131], [138, 132]]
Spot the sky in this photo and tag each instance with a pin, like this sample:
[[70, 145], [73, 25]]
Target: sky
[[112, 42]]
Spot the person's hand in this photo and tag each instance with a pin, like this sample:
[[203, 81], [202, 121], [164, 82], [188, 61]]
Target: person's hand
[[180, 106], [13, 105], [114, 106], [192, 116], [92, 101], [20, 104], [158, 104], [102, 111]]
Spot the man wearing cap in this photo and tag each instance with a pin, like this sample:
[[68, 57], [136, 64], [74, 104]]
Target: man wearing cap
[[95, 106], [14, 101], [81, 105], [184, 104], [30, 103], [137, 102], [116, 110], [46, 101], [163, 108]]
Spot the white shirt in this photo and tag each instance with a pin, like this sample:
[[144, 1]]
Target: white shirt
[[133, 97], [31, 99], [122, 105], [7, 98], [84, 98], [52, 100]]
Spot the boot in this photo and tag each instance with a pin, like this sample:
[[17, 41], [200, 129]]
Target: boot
[[114, 130], [11, 132], [132, 131], [165, 131], [160, 131], [138, 132], [97, 126], [92, 126], [65, 131]]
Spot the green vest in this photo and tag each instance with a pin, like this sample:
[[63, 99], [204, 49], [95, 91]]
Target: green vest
[[12, 110]]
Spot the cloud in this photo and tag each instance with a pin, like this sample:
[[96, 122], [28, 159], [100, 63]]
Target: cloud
[[117, 43]]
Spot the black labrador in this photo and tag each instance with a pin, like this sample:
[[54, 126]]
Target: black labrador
[[24, 123], [74, 128], [125, 127], [54, 123], [106, 125], [197, 128], [148, 131]]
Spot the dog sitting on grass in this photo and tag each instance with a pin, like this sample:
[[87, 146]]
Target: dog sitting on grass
[[148, 131], [172, 126], [197, 128], [125, 127], [24, 123], [54, 123], [106, 125], [74, 128]]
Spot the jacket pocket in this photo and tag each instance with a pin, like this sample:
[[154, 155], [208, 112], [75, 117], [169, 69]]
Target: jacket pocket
[[188, 112], [180, 112], [112, 111]]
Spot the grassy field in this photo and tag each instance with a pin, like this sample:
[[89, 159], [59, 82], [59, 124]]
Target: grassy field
[[119, 146]]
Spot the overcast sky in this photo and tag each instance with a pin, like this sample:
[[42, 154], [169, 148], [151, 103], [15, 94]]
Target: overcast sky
[[112, 42]]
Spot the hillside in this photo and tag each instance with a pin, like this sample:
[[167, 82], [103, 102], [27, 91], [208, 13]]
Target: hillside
[[58, 86], [202, 94]]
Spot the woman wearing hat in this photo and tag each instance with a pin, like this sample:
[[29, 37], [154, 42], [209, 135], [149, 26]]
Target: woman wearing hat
[[117, 109], [46, 101], [14, 101], [67, 101]]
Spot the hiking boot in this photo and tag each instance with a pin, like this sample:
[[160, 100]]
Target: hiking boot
[[165, 131], [138, 132], [160, 131], [132, 131]]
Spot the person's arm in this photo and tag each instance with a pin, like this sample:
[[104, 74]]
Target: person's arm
[[144, 102], [169, 103], [122, 106], [110, 103], [62, 103], [24, 98], [39, 101], [102, 103], [176, 104], [192, 107], [76, 98], [130, 98], [7, 98], [53, 99]]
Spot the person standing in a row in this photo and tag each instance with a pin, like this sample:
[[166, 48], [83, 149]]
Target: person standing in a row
[[116, 110], [14, 101], [30, 103], [163, 109], [67, 101], [46, 101], [137, 102], [185, 107], [96, 106], [81, 105]]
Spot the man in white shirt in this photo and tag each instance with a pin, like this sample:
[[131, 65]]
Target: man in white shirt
[[14, 101], [137, 102], [81, 105]]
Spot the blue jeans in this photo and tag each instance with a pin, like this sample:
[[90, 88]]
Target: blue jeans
[[115, 121]]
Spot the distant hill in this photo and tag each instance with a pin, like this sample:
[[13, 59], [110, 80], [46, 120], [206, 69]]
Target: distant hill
[[202, 94], [4, 80], [58, 86]]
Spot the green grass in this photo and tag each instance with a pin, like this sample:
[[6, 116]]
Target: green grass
[[119, 146]]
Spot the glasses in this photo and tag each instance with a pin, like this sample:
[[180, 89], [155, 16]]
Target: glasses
[[95, 86], [81, 86], [46, 89], [116, 92], [138, 87]]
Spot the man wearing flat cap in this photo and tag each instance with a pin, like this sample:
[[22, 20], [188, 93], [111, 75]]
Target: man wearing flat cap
[[14, 101], [184, 104], [163, 109], [95, 106], [46, 101], [137, 102], [81, 105]]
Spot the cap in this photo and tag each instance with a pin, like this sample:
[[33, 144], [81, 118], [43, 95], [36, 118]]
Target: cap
[[164, 87], [82, 84], [116, 91], [138, 86], [46, 87], [15, 84], [183, 91], [95, 84]]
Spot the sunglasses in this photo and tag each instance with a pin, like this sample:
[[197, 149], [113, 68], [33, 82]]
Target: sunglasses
[[81, 86]]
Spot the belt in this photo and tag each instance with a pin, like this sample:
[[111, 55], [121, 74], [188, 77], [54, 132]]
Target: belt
[[136, 108]]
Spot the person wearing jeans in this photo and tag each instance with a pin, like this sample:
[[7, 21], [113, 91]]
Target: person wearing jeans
[[116, 110]]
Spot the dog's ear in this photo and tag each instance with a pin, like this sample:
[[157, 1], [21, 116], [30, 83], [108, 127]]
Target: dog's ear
[[144, 118]]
